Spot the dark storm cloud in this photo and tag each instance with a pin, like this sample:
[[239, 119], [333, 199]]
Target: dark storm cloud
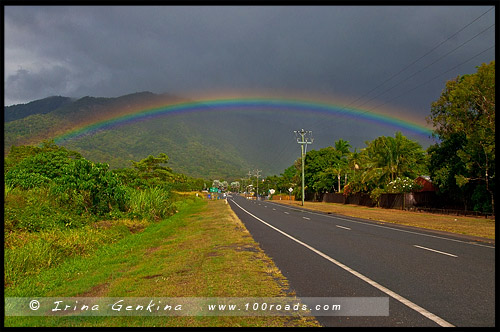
[[342, 51]]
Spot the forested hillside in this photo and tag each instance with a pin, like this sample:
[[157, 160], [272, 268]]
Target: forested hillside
[[198, 145], [208, 144], [41, 106]]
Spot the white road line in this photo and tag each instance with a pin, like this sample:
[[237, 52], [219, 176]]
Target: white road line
[[441, 252], [306, 218], [391, 228], [274, 209], [287, 212], [343, 227], [420, 310]]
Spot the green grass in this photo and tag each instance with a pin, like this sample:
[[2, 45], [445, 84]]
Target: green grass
[[202, 251], [152, 203], [29, 253]]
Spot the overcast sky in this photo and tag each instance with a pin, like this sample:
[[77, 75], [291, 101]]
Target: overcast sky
[[362, 56]]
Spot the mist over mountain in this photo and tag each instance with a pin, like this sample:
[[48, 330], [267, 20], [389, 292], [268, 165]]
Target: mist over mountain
[[207, 143]]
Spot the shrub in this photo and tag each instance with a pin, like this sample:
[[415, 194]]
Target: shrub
[[402, 185], [48, 164], [376, 193], [75, 181], [25, 179], [152, 203], [91, 186]]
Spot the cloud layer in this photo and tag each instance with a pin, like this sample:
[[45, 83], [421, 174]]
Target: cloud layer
[[337, 52]]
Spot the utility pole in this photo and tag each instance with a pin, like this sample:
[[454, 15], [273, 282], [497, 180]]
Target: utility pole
[[249, 179], [303, 140], [257, 175], [242, 185]]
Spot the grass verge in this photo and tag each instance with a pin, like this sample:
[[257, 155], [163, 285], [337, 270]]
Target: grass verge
[[202, 251], [473, 226]]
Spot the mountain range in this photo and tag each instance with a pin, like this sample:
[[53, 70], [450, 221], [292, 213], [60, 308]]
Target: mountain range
[[209, 144]]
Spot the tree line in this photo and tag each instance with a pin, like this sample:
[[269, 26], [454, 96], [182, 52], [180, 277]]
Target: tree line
[[461, 164]]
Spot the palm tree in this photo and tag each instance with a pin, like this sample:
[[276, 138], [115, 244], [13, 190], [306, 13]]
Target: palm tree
[[354, 161], [395, 157], [342, 147]]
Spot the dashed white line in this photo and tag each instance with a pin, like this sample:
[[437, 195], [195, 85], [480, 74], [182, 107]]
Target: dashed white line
[[306, 218], [343, 227], [438, 320], [287, 212], [393, 229], [440, 252]]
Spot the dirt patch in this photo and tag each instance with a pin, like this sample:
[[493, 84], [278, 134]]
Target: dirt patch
[[149, 251], [239, 247], [104, 224], [184, 272], [96, 291], [152, 276], [213, 254], [136, 228]]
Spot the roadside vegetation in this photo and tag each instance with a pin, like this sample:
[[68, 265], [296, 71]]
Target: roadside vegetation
[[59, 205], [202, 251], [76, 228]]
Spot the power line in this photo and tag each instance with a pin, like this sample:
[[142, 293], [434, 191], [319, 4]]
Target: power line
[[429, 52], [278, 158], [432, 79], [412, 63], [419, 71]]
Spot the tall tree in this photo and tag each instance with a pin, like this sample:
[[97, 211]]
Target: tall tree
[[153, 169], [466, 108], [320, 168], [393, 157], [342, 148], [354, 161]]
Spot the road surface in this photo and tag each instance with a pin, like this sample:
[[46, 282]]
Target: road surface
[[430, 279]]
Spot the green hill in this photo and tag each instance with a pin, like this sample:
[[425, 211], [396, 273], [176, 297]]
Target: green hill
[[42, 106], [209, 144]]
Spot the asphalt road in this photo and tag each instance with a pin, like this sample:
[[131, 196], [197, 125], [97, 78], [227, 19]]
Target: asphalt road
[[430, 279]]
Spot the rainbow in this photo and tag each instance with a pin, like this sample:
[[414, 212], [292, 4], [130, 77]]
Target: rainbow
[[267, 104]]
